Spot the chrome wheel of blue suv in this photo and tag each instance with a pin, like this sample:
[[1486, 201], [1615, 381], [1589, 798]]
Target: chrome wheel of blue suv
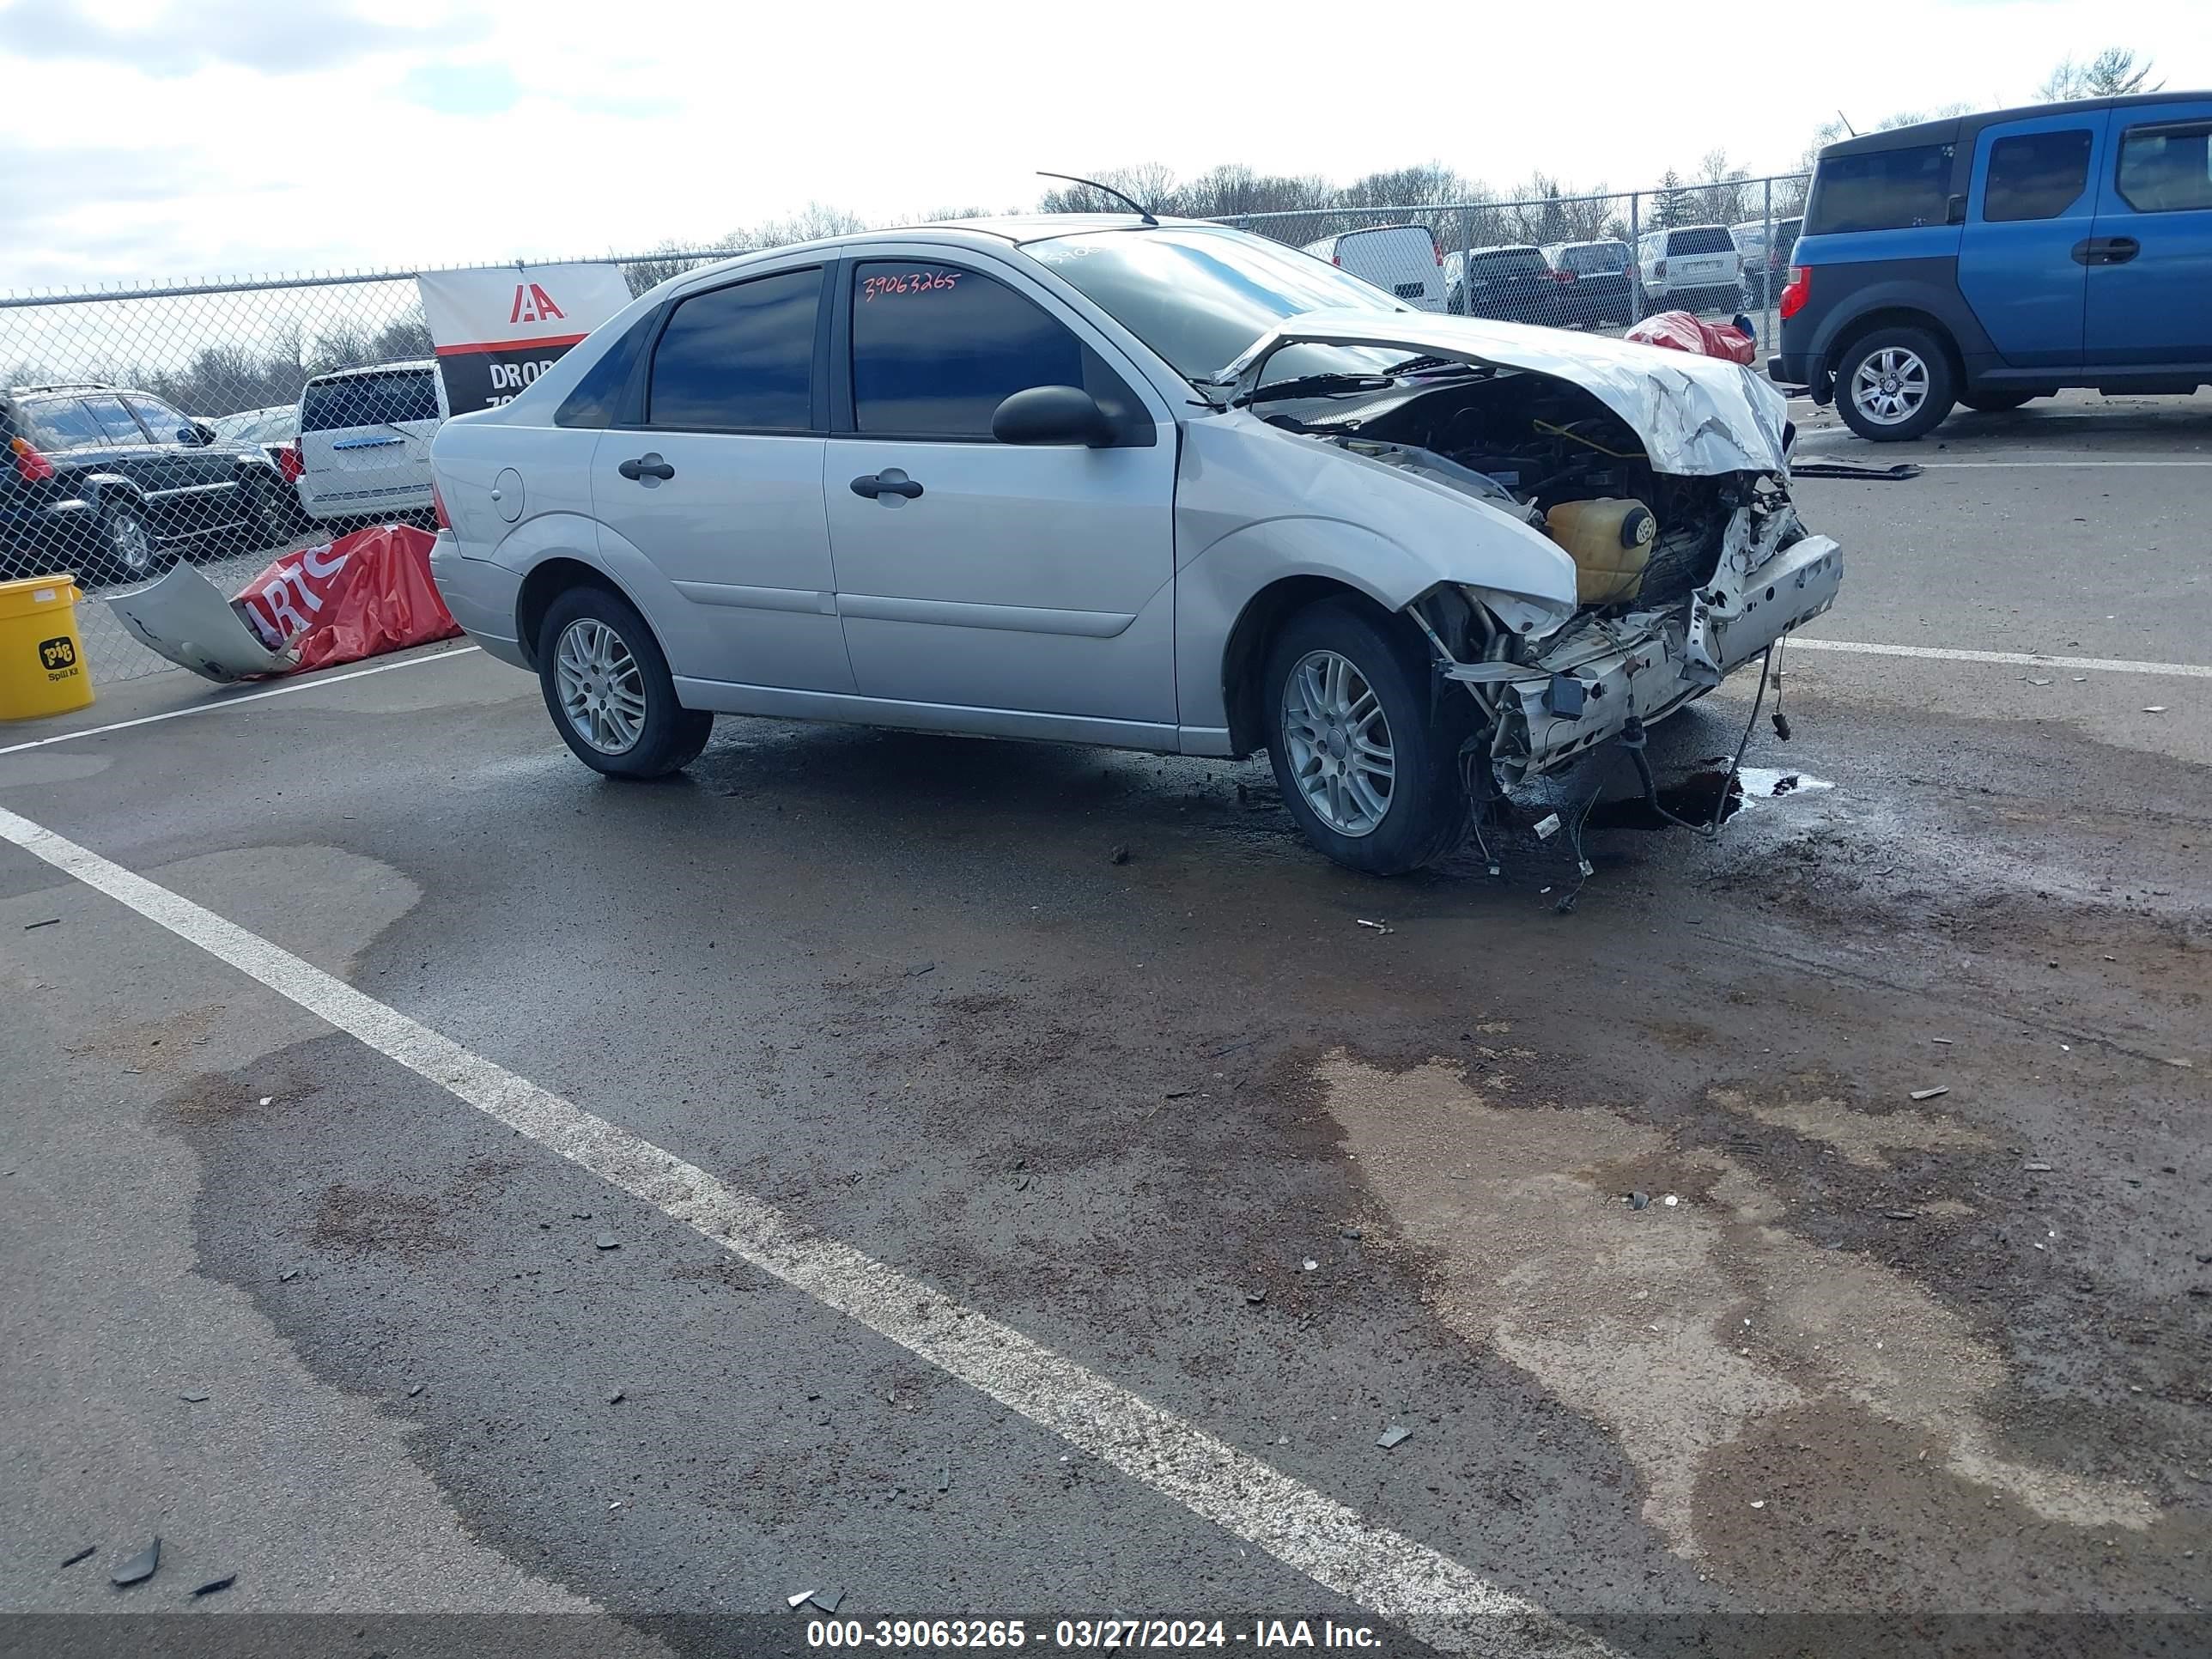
[[1895, 384]]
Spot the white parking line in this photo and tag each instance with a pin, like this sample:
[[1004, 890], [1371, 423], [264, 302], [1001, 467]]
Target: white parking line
[[1865, 458], [307, 685], [1425, 1593], [2187, 671]]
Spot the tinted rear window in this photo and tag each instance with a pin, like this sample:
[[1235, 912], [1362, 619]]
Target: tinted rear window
[[2036, 175], [1513, 262], [1590, 261], [1884, 190], [740, 358], [59, 424], [1700, 239], [370, 400]]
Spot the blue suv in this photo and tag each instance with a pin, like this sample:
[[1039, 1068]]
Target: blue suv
[[1988, 259]]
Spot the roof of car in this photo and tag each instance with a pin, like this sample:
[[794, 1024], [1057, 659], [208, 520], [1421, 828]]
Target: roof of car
[[58, 387], [1508, 247], [373, 369], [1950, 128]]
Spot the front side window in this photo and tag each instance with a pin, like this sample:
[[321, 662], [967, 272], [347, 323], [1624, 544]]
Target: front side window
[[158, 418], [60, 424], [2035, 175], [1880, 189], [2167, 169], [937, 348], [114, 420], [740, 358]]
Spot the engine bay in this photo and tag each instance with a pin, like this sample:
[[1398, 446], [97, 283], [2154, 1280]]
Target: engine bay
[[1529, 443]]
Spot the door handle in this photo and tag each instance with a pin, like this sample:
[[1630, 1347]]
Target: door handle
[[888, 482], [648, 466], [2105, 250]]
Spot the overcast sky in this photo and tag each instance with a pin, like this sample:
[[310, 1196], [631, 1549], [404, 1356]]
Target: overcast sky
[[145, 139]]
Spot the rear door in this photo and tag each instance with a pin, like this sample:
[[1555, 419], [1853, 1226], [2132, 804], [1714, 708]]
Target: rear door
[[2030, 206], [365, 441], [1037, 579], [1402, 260], [2149, 277], [1700, 255], [158, 473], [719, 485]]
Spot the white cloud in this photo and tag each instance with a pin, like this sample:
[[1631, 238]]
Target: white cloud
[[286, 134]]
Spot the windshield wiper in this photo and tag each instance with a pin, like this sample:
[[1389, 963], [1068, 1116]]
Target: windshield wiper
[[1415, 365], [1317, 385]]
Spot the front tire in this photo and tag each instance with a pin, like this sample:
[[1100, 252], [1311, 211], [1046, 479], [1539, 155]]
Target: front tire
[[1370, 774], [608, 688], [1895, 385]]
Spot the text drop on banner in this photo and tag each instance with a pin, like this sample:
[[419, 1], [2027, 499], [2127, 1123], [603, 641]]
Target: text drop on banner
[[498, 329]]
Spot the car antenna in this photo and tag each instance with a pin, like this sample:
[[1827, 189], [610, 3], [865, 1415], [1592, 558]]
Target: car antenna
[[1135, 207], [1846, 120]]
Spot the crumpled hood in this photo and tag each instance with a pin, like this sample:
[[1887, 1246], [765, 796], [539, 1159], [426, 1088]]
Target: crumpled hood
[[1696, 415]]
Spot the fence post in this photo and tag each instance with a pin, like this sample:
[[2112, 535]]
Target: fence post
[[1635, 256], [1466, 258], [1766, 274]]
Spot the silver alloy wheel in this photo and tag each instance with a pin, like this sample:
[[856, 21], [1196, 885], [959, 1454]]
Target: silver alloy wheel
[[601, 687], [1337, 743], [128, 544], [1890, 386]]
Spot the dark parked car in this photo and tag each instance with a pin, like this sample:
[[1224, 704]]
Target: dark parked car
[[1599, 281], [1988, 259], [1514, 284], [111, 484], [1765, 268]]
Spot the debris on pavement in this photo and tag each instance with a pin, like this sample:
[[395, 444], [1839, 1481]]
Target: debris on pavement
[[1119, 855], [84, 1554], [2037, 682], [1639, 1201], [2036, 1169], [1546, 827], [1310, 1265], [288, 1275], [193, 1396], [51, 921], [607, 1242], [1349, 1232], [1670, 1201], [800, 1600], [1819, 466], [943, 1484], [214, 1585], [139, 1568], [416, 1389], [1379, 926], [1930, 1094], [915, 970], [826, 1600], [1393, 1436], [1255, 1298], [2155, 709], [618, 1397]]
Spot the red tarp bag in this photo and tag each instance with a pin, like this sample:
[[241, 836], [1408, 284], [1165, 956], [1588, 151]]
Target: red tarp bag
[[1679, 331], [360, 596]]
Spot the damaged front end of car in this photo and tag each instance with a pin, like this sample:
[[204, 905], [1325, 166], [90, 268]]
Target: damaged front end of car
[[1664, 478]]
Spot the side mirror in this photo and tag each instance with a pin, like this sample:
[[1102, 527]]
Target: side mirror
[[1052, 415], [197, 432]]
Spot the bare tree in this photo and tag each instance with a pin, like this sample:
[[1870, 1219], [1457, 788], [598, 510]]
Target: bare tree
[[2113, 73]]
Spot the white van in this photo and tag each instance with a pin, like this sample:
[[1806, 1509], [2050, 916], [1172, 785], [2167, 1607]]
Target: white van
[[1400, 259], [365, 440]]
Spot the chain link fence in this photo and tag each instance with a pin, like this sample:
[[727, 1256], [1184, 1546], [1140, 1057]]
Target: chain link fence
[[223, 423], [219, 423]]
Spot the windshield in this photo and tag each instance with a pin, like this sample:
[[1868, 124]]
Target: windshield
[[1200, 296]]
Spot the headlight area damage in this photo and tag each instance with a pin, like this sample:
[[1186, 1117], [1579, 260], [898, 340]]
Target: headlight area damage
[[1663, 477]]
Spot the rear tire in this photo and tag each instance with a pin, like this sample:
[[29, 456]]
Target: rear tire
[[608, 688], [1895, 385], [267, 524], [1370, 774], [1994, 402], [127, 552]]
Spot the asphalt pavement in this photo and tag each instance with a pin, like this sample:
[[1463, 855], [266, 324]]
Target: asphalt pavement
[[472, 1202]]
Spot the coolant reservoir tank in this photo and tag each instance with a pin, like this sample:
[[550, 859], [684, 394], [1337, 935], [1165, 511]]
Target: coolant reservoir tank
[[1610, 542]]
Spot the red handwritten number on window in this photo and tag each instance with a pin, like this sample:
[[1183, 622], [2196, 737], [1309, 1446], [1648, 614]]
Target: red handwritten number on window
[[907, 282]]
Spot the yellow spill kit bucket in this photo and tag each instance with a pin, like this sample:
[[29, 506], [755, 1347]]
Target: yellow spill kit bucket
[[42, 668]]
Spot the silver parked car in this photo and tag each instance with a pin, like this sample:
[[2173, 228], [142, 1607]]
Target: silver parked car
[[1164, 486]]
